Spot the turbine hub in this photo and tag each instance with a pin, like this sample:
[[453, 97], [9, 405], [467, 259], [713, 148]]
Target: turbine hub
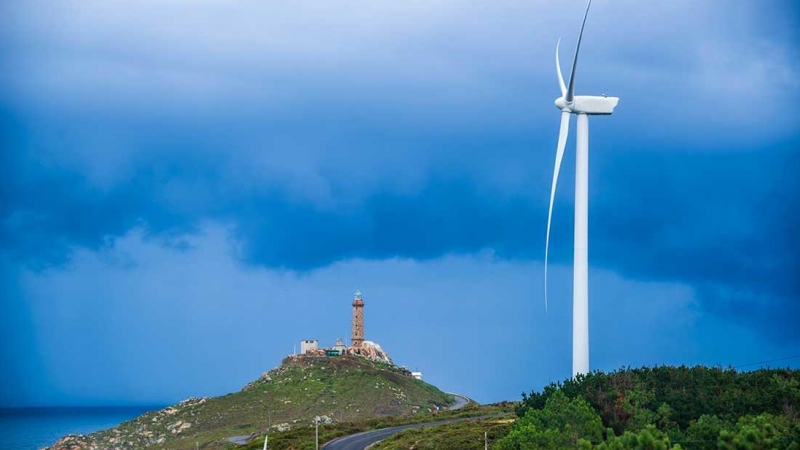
[[562, 104]]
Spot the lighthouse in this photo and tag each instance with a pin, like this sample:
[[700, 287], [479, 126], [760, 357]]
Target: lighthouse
[[358, 320]]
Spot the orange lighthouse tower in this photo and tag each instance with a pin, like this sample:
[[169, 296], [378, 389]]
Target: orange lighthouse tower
[[358, 320]]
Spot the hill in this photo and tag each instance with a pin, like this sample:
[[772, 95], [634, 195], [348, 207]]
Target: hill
[[338, 389]]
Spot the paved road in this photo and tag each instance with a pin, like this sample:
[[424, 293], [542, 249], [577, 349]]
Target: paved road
[[362, 440], [240, 440], [461, 401]]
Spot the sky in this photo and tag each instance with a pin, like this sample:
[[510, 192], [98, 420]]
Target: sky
[[189, 188]]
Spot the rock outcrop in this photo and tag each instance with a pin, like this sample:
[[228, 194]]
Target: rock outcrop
[[368, 349], [371, 351]]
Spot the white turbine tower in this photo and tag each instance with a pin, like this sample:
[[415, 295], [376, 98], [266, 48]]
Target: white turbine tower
[[583, 106]]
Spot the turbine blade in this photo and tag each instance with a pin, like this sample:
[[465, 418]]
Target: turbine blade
[[571, 90], [562, 142], [558, 70]]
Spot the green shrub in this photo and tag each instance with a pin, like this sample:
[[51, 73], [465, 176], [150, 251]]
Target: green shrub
[[561, 424]]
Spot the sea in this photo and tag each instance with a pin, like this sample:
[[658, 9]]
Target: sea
[[35, 428]]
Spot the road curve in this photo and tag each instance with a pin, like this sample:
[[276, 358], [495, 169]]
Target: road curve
[[461, 401], [360, 441]]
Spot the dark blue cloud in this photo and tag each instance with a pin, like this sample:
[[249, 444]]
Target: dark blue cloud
[[721, 222], [724, 223], [445, 217]]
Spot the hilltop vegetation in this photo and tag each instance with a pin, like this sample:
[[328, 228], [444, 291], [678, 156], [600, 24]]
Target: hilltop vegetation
[[662, 408], [659, 408], [339, 389], [460, 435]]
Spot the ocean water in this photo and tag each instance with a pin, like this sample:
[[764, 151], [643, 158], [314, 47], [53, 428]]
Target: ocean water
[[34, 428]]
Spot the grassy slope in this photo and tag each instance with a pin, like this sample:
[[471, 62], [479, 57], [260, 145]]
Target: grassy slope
[[302, 438], [461, 435], [346, 389]]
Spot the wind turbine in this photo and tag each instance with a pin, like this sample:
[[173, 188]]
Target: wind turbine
[[583, 106]]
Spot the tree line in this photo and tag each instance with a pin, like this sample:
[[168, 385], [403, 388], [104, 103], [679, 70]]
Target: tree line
[[662, 408]]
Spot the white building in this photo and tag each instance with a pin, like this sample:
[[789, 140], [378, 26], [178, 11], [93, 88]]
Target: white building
[[340, 347], [417, 375], [307, 345]]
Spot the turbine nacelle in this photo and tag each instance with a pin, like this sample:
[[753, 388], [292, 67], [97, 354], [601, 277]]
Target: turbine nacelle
[[588, 104], [580, 104]]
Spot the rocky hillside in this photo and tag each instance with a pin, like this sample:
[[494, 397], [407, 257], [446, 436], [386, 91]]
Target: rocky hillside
[[338, 389]]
